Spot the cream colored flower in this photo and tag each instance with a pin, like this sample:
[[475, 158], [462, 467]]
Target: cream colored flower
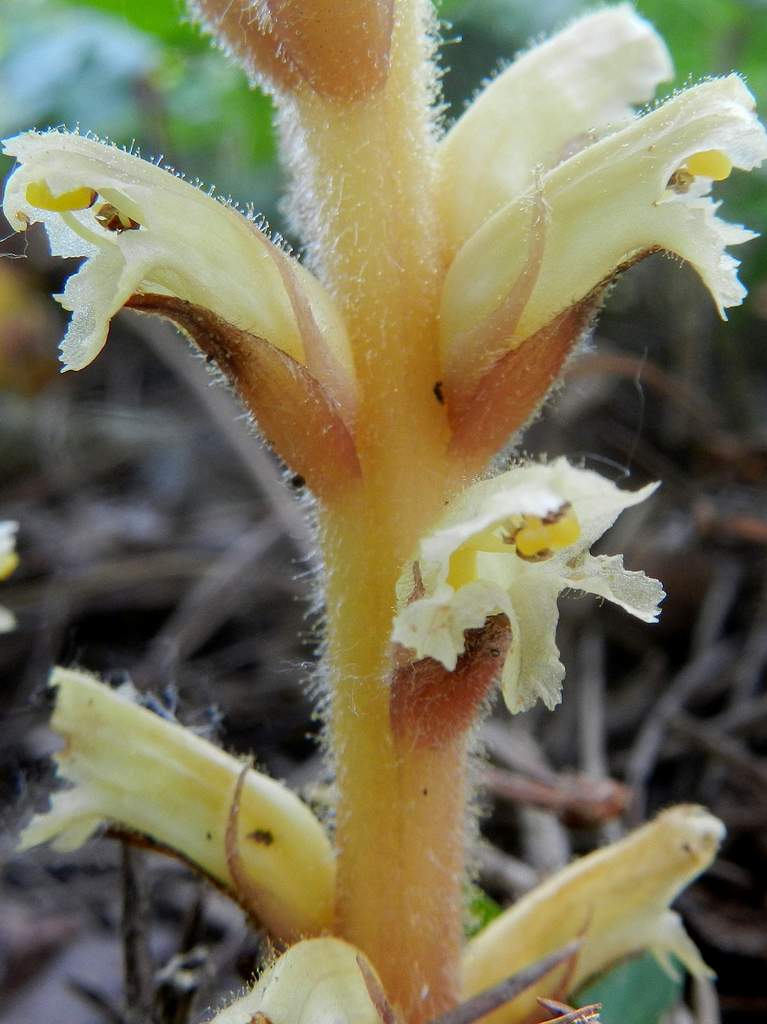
[[615, 899], [8, 562], [511, 545], [553, 100], [143, 229], [126, 766], [153, 240], [548, 188], [317, 981]]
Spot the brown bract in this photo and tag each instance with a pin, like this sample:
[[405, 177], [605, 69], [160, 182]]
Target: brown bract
[[513, 389], [340, 50], [487, 403], [431, 706], [293, 410]]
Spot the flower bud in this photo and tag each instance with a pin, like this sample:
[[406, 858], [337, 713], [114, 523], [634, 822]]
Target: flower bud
[[322, 981]]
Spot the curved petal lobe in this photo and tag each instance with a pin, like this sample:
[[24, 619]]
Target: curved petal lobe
[[632, 193], [142, 229], [551, 101]]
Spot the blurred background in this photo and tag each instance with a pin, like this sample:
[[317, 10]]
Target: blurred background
[[158, 542]]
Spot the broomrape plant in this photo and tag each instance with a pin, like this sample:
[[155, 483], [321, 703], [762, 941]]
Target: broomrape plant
[[448, 279]]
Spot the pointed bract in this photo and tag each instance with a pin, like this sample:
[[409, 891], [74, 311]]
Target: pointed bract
[[293, 411]]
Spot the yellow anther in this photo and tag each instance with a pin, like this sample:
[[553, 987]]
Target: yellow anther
[[538, 537], [8, 564], [40, 196], [463, 567], [531, 537], [710, 163]]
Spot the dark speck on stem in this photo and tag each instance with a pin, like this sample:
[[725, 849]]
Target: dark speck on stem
[[262, 836]]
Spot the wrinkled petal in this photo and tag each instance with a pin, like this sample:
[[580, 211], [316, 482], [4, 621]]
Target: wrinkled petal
[[178, 241], [668, 940], [317, 981], [500, 577], [533, 489], [534, 671], [434, 626], [606, 577], [607, 207], [597, 501], [518, 492], [550, 101], [616, 900]]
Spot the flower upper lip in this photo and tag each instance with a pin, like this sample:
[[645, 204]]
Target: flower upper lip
[[552, 100]]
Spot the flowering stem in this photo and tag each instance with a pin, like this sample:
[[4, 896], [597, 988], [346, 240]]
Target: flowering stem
[[364, 173], [401, 808]]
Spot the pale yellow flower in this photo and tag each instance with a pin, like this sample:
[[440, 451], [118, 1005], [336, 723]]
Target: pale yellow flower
[[511, 545], [615, 899], [548, 186], [318, 981], [148, 234], [124, 765]]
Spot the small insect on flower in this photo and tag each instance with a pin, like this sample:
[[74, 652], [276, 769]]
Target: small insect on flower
[[680, 181], [568, 1014], [109, 217]]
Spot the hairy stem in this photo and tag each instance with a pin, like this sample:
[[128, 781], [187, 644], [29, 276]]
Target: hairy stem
[[364, 202]]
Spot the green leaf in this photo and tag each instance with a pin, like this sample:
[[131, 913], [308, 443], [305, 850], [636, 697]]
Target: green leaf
[[480, 910], [164, 19], [637, 991]]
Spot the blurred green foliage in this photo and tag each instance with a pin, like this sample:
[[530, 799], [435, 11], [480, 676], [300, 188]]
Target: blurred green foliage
[[637, 991], [137, 71], [480, 909]]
